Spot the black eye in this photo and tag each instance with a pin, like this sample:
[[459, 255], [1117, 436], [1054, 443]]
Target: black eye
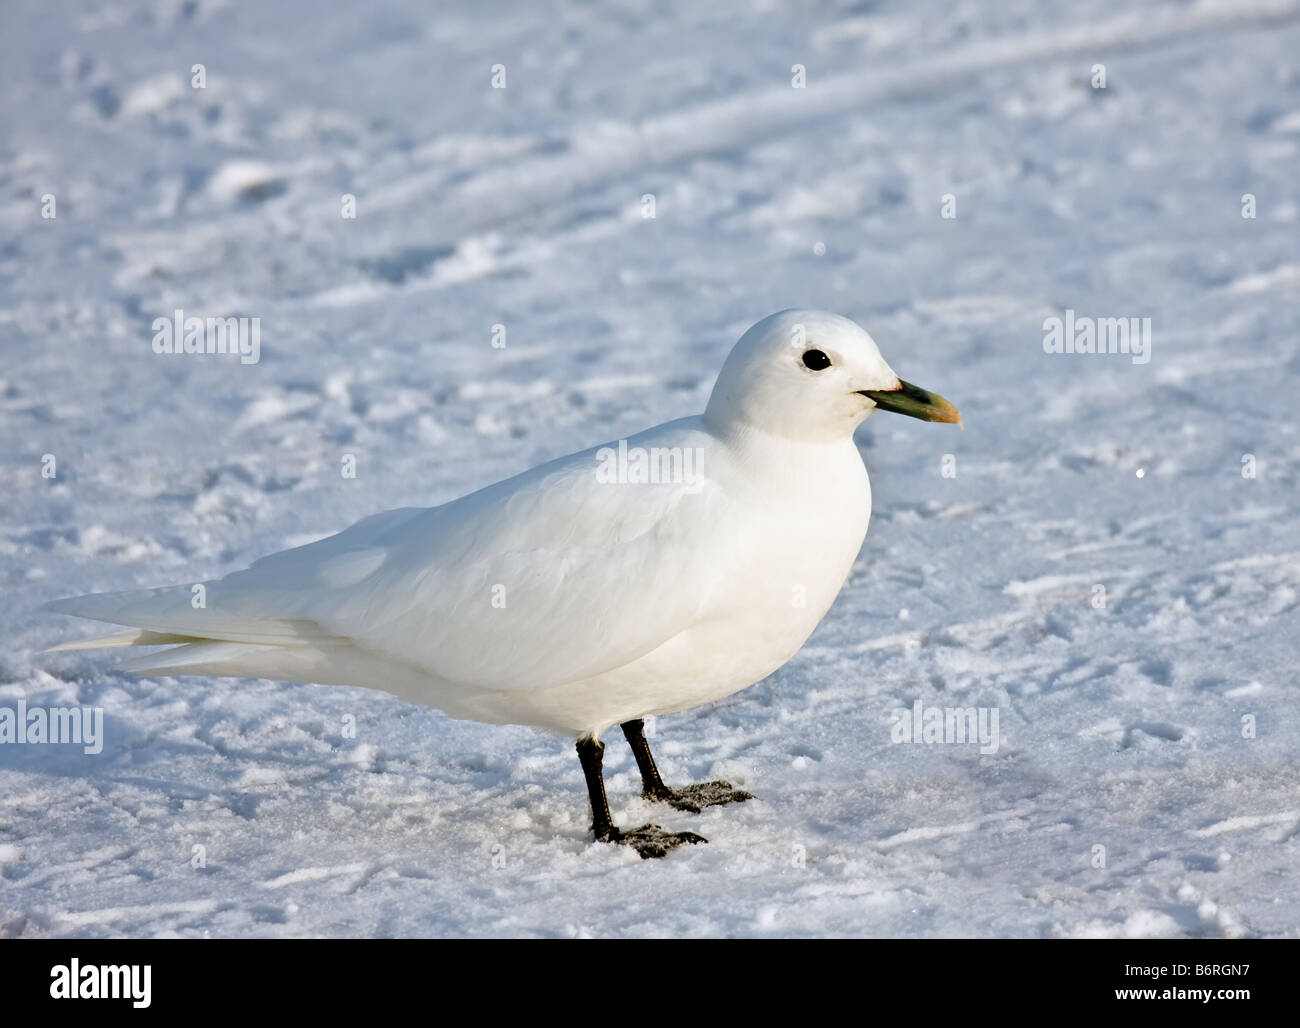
[[815, 360]]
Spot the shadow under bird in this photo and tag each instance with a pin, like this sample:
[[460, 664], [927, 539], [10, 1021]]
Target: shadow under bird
[[595, 590]]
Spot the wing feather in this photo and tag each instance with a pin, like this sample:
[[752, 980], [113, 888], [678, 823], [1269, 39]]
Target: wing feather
[[534, 581]]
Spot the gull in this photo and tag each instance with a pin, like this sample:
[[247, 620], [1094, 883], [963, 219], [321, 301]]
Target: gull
[[646, 576]]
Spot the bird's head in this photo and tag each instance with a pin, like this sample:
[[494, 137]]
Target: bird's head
[[811, 376]]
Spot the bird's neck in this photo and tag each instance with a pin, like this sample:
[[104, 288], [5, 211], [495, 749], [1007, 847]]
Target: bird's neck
[[815, 468]]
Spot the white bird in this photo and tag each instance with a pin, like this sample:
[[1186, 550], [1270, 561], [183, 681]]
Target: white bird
[[650, 575]]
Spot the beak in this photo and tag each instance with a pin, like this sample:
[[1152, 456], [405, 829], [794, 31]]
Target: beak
[[915, 402]]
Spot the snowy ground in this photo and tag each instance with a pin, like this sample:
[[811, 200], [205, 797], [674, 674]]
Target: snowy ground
[[1121, 727]]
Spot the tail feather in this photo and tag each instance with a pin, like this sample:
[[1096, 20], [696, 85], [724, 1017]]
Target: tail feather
[[131, 637], [330, 664], [169, 612], [229, 642], [210, 657]]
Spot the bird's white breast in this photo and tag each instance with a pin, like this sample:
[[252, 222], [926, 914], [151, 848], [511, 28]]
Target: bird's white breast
[[800, 516]]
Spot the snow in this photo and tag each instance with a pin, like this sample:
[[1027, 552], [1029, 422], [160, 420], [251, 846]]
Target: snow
[[1123, 799]]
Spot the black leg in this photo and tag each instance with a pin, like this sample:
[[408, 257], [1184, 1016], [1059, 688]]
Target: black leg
[[692, 798], [652, 786], [591, 753], [648, 840]]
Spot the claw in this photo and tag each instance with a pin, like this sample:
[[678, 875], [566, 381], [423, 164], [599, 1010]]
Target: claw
[[651, 840], [694, 798]]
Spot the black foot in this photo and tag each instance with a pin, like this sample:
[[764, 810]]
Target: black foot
[[651, 840], [694, 798]]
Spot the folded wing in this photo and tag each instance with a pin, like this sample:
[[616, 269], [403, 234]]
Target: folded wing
[[552, 576]]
